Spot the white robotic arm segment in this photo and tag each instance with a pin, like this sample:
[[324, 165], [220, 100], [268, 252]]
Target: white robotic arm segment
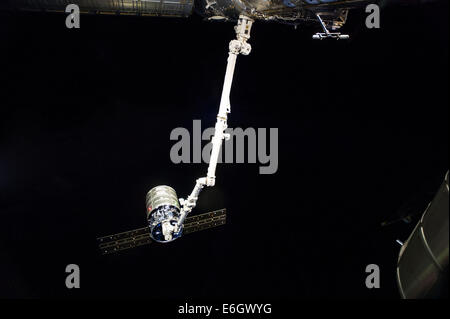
[[236, 47], [189, 204]]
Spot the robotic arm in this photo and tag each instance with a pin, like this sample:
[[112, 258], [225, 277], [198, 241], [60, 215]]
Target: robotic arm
[[236, 47], [165, 212]]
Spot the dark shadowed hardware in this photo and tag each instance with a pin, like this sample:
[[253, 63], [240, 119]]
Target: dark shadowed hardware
[[422, 268]]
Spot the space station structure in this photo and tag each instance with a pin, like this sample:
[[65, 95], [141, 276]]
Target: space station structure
[[163, 8], [295, 12]]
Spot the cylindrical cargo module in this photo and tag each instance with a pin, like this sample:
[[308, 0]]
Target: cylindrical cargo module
[[163, 213]]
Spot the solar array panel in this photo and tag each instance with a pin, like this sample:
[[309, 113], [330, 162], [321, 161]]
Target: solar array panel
[[141, 236]]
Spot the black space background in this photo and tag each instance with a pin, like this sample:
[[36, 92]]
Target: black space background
[[85, 118]]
